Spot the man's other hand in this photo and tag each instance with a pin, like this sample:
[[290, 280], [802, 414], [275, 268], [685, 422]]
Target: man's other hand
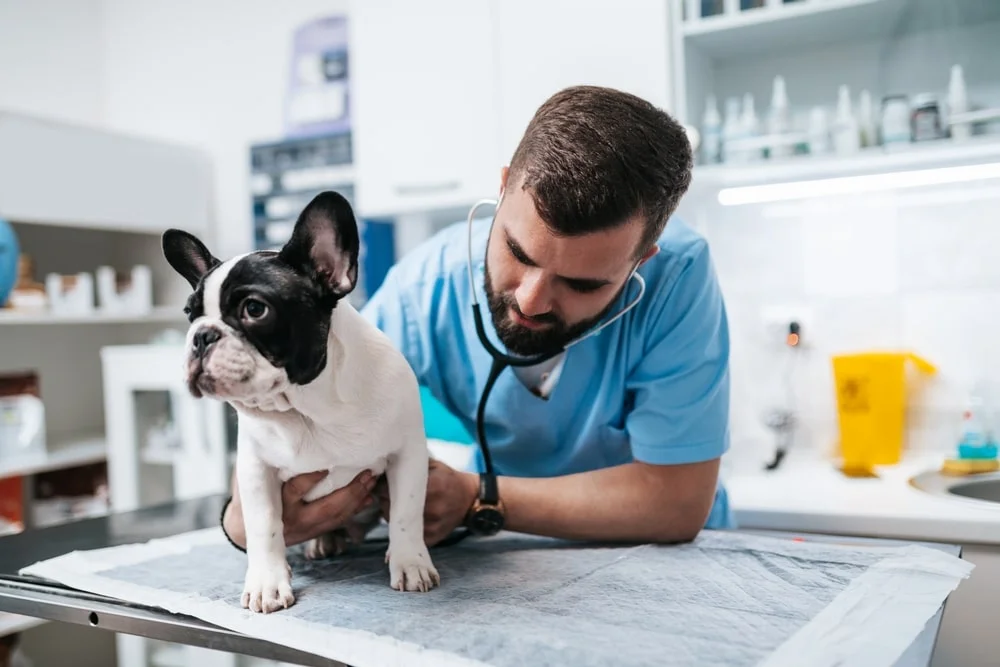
[[304, 520]]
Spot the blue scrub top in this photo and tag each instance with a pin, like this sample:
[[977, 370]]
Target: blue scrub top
[[653, 386]]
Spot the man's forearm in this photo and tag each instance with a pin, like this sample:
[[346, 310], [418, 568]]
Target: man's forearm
[[634, 502]]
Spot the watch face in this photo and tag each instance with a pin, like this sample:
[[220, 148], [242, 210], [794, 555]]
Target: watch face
[[486, 521]]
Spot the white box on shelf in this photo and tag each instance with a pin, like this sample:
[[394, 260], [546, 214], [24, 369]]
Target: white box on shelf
[[134, 295], [70, 295], [22, 427]]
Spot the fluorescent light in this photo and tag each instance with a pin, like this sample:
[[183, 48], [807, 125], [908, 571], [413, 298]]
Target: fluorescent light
[[757, 194]]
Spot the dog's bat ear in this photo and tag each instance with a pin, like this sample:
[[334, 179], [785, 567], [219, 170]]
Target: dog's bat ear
[[187, 255], [324, 244]]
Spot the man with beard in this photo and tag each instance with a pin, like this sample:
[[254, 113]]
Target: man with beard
[[619, 437]]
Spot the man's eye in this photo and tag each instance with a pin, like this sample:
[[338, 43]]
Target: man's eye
[[519, 255], [584, 288]]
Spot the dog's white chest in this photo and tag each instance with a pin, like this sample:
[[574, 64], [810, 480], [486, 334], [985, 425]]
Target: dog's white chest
[[295, 446]]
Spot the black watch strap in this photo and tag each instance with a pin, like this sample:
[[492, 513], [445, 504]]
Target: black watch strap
[[486, 517], [222, 523], [489, 491]]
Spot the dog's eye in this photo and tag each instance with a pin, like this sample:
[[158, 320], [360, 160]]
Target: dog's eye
[[254, 309]]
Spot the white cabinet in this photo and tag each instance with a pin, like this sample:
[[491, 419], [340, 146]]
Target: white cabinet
[[423, 105], [542, 47], [903, 49], [443, 89], [56, 173]]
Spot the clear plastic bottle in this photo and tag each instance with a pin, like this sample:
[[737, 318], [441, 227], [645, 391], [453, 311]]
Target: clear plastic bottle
[[866, 120], [732, 131], [958, 103], [976, 438], [711, 132], [751, 127], [778, 121], [846, 135]]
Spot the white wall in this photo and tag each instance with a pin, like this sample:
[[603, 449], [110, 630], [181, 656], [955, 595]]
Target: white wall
[[907, 270], [212, 74], [51, 60]]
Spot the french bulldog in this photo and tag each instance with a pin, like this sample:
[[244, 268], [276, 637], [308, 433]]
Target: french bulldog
[[315, 387]]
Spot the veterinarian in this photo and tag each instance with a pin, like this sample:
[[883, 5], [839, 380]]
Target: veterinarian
[[620, 436]]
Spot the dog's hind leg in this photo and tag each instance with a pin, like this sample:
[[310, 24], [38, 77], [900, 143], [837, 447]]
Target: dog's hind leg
[[340, 540]]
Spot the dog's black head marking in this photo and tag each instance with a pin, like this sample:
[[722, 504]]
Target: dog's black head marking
[[280, 302]]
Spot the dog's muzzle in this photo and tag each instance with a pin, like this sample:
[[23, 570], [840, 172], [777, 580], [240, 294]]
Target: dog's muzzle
[[201, 347], [203, 340]]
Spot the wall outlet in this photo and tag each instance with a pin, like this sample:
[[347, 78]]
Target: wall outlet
[[776, 319]]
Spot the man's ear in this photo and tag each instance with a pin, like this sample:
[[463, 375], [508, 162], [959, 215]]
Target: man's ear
[[648, 255], [187, 255], [325, 244]]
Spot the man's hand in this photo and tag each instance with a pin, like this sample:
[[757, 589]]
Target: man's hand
[[303, 521], [450, 493]]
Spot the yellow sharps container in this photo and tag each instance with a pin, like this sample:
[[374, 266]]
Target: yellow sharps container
[[872, 390]]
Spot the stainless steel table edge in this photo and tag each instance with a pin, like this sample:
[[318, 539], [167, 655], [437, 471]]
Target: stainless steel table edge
[[71, 606]]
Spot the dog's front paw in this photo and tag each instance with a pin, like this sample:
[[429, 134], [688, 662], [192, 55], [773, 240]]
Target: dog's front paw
[[268, 588], [411, 569]]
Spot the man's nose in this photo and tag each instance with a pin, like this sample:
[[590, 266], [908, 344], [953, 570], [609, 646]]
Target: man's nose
[[204, 338], [533, 295]]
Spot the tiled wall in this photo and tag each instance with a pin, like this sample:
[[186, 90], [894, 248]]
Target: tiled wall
[[911, 270]]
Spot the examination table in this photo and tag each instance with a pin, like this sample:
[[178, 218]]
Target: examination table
[[32, 597]]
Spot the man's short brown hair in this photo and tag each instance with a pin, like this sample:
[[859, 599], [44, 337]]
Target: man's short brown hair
[[592, 158]]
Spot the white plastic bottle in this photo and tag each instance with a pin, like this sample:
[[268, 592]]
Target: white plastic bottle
[[958, 103], [711, 132], [846, 136], [777, 121]]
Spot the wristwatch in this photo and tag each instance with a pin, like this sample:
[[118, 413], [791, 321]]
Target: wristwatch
[[486, 516]]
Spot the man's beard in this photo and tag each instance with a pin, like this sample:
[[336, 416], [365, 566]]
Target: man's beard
[[526, 342]]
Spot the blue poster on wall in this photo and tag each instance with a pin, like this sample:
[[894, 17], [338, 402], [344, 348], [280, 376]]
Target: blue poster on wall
[[318, 97]]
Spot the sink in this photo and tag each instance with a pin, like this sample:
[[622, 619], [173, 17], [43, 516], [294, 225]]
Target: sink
[[983, 487]]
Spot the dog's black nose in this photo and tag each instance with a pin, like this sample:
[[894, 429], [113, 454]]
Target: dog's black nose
[[204, 339]]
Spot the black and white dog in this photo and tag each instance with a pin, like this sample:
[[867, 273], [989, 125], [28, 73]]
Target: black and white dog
[[315, 387]]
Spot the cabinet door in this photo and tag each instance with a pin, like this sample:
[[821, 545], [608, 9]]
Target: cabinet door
[[543, 47], [425, 123]]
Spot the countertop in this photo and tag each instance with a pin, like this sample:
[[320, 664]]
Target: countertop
[[812, 495]]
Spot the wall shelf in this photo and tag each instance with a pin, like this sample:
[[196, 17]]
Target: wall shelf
[[61, 454], [944, 153], [791, 26], [159, 314]]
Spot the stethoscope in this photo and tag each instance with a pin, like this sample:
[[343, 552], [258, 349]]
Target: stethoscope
[[488, 488]]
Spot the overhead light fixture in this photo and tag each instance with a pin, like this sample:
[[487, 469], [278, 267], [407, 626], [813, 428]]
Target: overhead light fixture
[[759, 194]]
